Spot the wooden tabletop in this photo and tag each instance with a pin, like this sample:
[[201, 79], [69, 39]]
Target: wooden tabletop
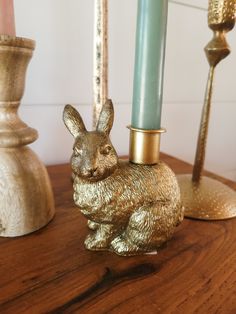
[[51, 272]]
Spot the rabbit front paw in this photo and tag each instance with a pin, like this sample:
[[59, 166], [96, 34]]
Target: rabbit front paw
[[122, 246], [95, 242], [101, 238], [92, 225]]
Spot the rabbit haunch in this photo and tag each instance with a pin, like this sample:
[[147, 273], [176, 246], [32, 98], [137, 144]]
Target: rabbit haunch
[[128, 188]]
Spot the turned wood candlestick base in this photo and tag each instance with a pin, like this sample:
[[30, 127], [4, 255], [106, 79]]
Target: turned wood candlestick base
[[26, 199]]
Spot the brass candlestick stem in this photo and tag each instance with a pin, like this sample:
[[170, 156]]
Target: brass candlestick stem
[[26, 200], [205, 198]]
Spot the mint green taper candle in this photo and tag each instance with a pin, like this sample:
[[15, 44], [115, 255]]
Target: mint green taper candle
[[149, 64]]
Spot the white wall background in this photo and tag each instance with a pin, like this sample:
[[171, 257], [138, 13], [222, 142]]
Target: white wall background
[[61, 72]]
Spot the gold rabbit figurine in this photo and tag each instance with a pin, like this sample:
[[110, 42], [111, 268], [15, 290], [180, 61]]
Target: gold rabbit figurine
[[131, 208]]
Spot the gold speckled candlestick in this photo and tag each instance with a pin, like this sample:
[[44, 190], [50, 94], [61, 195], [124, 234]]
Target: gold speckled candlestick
[[205, 198]]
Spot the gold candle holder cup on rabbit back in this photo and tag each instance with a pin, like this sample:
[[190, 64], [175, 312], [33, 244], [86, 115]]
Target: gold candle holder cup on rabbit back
[[145, 146], [131, 208]]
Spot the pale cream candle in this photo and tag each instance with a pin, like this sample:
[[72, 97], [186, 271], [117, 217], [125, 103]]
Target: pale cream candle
[[7, 20], [100, 66]]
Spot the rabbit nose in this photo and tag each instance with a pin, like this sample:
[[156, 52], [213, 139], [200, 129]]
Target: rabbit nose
[[92, 170]]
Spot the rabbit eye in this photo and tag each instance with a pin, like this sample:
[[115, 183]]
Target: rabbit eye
[[106, 150]]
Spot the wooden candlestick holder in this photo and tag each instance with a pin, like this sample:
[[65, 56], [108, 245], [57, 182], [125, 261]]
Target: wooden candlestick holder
[[26, 199]]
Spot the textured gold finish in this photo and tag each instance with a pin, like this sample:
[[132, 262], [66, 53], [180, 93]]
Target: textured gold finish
[[198, 200], [208, 200], [100, 79], [26, 200], [221, 15], [203, 132], [221, 18], [145, 146], [132, 209]]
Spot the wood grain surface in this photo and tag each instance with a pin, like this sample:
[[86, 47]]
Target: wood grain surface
[[51, 272], [26, 199]]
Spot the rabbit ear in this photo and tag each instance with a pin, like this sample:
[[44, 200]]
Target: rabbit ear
[[73, 120], [106, 117]]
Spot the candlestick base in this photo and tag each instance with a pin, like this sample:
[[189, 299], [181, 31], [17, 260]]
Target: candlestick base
[[145, 146], [207, 200]]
